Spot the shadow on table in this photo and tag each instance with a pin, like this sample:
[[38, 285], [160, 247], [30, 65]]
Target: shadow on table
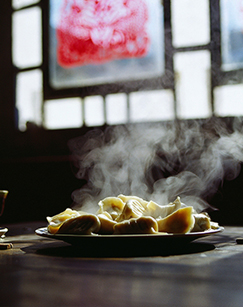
[[61, 249]]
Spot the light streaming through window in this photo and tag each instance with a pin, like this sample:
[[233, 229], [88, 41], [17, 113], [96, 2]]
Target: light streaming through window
[[229, 100], [190, 22], [193, 84], [63, 113], [29, 98], [116, 109], [190, 27], [94, 111], [152, 106], [27, 36], [17, 4]]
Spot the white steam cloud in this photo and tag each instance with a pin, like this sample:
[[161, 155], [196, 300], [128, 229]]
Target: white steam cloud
[[157, 162]]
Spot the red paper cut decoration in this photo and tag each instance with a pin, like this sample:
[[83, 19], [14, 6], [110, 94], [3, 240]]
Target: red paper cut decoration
[[97, 31]]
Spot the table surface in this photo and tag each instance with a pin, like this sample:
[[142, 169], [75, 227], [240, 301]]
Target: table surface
[[40, 271]]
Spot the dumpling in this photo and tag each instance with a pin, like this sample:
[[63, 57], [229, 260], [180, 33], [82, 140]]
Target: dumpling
[[202, 222], [180, 221], [143, 224], [157, 211], [125, 199], [57, 220], [112, 205], [106, 223], [85, 224], [132, 209]]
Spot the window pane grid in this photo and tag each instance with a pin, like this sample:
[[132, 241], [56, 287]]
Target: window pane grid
[[128, 108]]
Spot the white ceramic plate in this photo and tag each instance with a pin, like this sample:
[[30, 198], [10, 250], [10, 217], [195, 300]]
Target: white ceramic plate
[[127, 241]]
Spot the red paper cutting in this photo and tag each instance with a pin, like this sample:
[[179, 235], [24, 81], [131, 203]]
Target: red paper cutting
[[97, 31]]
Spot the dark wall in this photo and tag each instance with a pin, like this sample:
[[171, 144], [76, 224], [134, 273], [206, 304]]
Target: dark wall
[[36, 188], [229, 202]]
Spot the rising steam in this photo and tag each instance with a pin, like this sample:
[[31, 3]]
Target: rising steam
[[158, 162]]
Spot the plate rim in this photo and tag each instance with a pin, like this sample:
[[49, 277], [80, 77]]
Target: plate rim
[[42, 231]]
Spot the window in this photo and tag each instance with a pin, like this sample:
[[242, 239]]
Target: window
[[100, 42], [27, 58], [187, 56], [190, 23], [232, 35]]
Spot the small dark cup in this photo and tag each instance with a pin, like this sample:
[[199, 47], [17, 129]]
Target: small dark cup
[[3, 196]]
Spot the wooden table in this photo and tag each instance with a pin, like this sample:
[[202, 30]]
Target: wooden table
[[42, 272]]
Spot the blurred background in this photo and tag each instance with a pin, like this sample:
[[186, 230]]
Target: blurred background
[[71, 67]]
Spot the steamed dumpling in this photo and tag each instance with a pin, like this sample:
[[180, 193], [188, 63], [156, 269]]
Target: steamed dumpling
[[132, 209], [125, 199], [106, 223], [180, 221], [202, 222], [143, 224], [157, 211], [112, 205], [85, 224], [57, 220]]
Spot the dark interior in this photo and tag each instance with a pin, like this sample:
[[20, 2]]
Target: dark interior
[[36, 167]]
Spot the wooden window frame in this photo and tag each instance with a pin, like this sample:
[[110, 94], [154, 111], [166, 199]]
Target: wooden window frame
[[37, 140]]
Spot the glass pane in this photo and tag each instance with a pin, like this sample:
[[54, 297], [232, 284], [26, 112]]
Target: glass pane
[[231, 34], [17, 4], [151, 106], [63, 113], [94, 111], [190, 22], [96, 42], [193, 84], [116, 109], [27, 35], [228, 100], [29, 98]]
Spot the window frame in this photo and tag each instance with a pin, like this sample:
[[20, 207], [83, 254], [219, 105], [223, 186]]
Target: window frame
[[167, 81]]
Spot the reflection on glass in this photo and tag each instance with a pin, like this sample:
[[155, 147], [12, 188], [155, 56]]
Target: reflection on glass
[[95, 42], [232, 34]]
